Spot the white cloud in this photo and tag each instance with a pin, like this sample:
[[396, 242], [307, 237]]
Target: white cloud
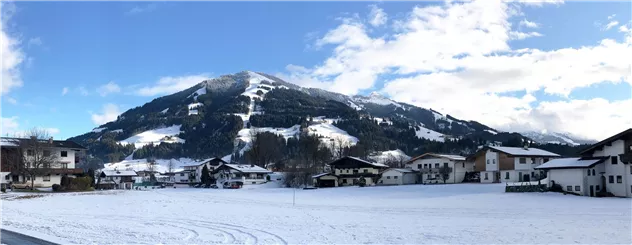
[[83, 91], [142, 9], [611, 16], [36, 41], [64, 91], [109, 113], [9, 125], [529, 24], [456, 59], [169, 85], [610, 25], [12, 55], [624, 28], [108, 88], [377, 16], [12, 100]]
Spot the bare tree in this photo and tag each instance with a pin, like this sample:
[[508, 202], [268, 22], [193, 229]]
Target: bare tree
[[444, 173], [170, 166], [151, 168], [339, 147], [34, 154]]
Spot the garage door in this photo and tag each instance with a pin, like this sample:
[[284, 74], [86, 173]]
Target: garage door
[[326, 183]]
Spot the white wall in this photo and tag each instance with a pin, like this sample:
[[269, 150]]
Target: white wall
[[392, 177], [3, 176], [343, 171], [492, 157], [182, 177], [490, 176], [568, 177], [619, 169], [458, 168], [70, 157]]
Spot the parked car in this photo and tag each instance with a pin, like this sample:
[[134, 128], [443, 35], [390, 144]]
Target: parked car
[[233, 185], [23, 185]]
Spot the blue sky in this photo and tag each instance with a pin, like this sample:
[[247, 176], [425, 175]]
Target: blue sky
[[70, 50]]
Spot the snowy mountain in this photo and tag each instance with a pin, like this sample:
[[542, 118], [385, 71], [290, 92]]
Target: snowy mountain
[[217, 118], [556, 138]]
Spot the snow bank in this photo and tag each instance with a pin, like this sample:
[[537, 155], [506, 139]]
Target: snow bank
[[425, 133], [155, 136]]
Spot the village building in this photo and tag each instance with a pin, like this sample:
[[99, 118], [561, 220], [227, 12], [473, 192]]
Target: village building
[[348, 171], [509, 164], [195, 170], [245, 173], [116, 179], [398, 176], [428, 166], [66, 153], [604, 167]]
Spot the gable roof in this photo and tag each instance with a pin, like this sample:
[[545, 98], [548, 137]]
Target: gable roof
[[446, 156], [401, 170], [575, 162], [519, 151], [245, 168], [592, 148], [344, 160], [9, 141], [120, 173]]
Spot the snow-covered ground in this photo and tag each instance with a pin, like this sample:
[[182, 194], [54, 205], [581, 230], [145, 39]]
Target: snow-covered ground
[[329, 131], [414, 214], [429, 134], [141, 164], [384, 156], [155, 136]]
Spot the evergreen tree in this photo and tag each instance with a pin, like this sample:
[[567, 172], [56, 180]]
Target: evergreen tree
[[206, 177]]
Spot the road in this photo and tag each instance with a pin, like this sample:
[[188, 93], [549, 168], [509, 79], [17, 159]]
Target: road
[[14, 238]]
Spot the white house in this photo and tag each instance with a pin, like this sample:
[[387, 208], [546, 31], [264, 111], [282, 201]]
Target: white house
[[509, 164], [349, 171], [117, 179], [245, 173], [196, 169], [67, 156], [181, 177], [398, 176], [428, 165], [603, 167]]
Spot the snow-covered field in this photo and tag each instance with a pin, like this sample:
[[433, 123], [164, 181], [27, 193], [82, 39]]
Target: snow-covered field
[[446, 214], [155, 136]]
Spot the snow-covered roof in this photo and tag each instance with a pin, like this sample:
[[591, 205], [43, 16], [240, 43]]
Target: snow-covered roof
[[120, 173], [247, 168], [320, 175], [372, 163], [446, 156], [7, 142], [571, 163], [520, 151], [401, 170]]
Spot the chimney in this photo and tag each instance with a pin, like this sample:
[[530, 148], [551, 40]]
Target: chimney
[[50, 140]]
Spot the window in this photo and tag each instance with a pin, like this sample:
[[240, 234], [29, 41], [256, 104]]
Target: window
[[577, 188], [522, 160], [64, 154], [545, 160], [47, 177], [588, 172], [388, 177], [445, 164], [418, 166], [436, 165], [46, 153], [487, 161], [29, 152], [355, 171], [532, 174], [425, 165], [6, 177], [493, 161], [429, 176], [29, 178], [436, 175], [366, 171], [614, 160], [611, 179], [506, 175], [344, 181], [394, 177], [597, 188], [347, 170], [533, 160], [619, 179], [593, 172], [464, 165], [569, 188], [182, 174], [486, 175]]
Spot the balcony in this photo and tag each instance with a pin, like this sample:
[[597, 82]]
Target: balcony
[[626, 158]]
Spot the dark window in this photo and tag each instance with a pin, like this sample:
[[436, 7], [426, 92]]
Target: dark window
[[46, 177], [506, 175], [436, 165], [46, 153], [464, 165], [493, 161], [569, 188], [64, 154], [29, 152], [523, 160], [611, 179], [619, 179], [445, 164], [344, 181], [355, 171], [533, 160], [182, 174], [485, 175], [577, 188], [394, 177], [425, 165], [597, 188], [418, 166], [545, 160], [593, 172], [6, 177], [588, 172], [429, 176], [614, 160], [388, 177], [366, 171], [532, 174], [487, 161], [347, 170]]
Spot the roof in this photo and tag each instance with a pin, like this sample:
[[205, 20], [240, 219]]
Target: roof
[[9, 141], [320, 175], [401, 170], [575, 162], [379, 165], [247, 168], [446, 156], [197, 164], [609, 140], [520, 151], [119, 173]]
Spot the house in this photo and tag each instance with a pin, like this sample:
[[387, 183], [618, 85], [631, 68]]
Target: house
[[195, 170], [66, 155], [509, 164], [348, 171], [117, 179], [398, 176], [428, 166], [181, 177], [245, 173], [602, 167]]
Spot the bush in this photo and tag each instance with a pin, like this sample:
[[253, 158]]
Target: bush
[[3, 190], [362, 182], [65, 182], [56, 187], [81, 183]]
